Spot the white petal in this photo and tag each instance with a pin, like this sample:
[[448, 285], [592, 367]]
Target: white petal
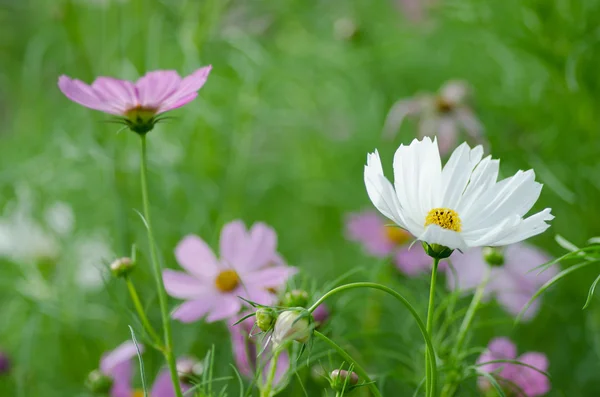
[[483, 178], [417, 173], [529, 227], [435, 234], [381, 192], [489, 235], [457, 172]]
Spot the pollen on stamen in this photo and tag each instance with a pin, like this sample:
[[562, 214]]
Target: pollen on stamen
[[445, 218], [227, 280]]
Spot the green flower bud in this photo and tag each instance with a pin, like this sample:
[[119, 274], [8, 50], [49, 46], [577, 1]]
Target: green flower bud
[[265, 318], [340, 379], [122, 267], [493, 256], [437, 251], [97, 382], [295, 298]]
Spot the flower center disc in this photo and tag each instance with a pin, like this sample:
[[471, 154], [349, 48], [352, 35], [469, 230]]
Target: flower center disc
[[443, 217], [443, 105], [396, 235], [138, 393], [227, 280], [140, 119]]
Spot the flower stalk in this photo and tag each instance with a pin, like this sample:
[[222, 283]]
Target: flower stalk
[[267, 390], [430, 382], [162, 294], [142, 315]]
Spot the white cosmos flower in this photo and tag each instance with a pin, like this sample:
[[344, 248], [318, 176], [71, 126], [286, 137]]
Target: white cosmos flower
[[460, 206]]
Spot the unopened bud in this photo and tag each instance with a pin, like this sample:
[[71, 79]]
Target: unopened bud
[[265, 318], [493, 256], [98, 382], [437, 251], [321, 314], [342, 380], [344, 29], [292, 325], [295, 298], [189, 369], [122, 267]]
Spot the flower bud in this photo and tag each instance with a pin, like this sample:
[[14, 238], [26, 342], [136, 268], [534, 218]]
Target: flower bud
[[265, 318], [295, 298], [320, 314], [4, 364], [122, 267], [340, 379], [292, 325], [189, 369], [437, 251], [97, 382], [493, 256]]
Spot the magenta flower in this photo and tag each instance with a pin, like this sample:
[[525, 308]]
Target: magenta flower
[[442, 114], [249, 267], [118, 365], [137, 104], [514, 377], [512, 284], [381, 241], [5, 364], [247, 348]]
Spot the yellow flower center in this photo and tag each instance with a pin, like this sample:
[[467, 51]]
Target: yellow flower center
[[138, 393], [443, 105], [227, 280], [443, 217], [397, 235]]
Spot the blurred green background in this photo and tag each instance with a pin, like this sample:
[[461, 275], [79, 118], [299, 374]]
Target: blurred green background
[[280, 134]]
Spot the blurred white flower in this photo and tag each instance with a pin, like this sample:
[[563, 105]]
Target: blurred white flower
[[442, 114], [60, 218], [92, 255]]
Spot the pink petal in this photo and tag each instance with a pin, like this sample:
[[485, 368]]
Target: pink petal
[[121, 389], [187, 89], [183, 286], [282, 367], [257, 294], [521, 258], [529, 380], [368, 228], [83, 94], [120, 95], [514, 301], [195, 256], [194, 310], [244, 348], [413, 261], [470, 268], [225, 307], [163, 386], [154, 87], [447, 133], [271, 277], [498, 349], [233, 242], [121, 375], [261, 247], [123, 353]]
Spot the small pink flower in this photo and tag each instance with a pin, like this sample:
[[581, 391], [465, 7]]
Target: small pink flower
[[249, 267], [441, 114], [381, 241], [512, 284], [247, 351], [137, 103], [512, 376]]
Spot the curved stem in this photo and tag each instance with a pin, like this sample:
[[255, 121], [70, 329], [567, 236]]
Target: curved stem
[[413, 312], [162, 294], [266, 392], [430, 384], [357, 368], [142, 315]]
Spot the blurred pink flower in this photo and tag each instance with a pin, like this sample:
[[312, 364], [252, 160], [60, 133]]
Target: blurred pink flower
[[249, 267], [511, 376], [247, 351], [512, 284], [138, 103], [379, 240], [441, 114]]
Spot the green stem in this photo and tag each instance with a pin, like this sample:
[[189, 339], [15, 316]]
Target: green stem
[[430, 383], [142, 315], [357, 368], [402, 300], [266, 392], [162, 294]]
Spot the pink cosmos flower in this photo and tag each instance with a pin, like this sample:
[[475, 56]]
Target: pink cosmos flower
[[247, 352], [381, 241], [511, 376], [118, 365], [137, 103], [441, 114], [249, 267], [512, 284]]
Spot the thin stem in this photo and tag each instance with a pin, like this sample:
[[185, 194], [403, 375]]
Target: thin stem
[[266, 392], [413, 312], [430, 384], [162, 294], [357, 368], [142, 315]]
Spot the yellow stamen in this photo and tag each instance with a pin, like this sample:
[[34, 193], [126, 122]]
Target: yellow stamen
[[138, 393], [227, 280], [396, 235], [443, 217]]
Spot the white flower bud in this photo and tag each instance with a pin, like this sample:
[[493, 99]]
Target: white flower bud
[[292, 325]]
